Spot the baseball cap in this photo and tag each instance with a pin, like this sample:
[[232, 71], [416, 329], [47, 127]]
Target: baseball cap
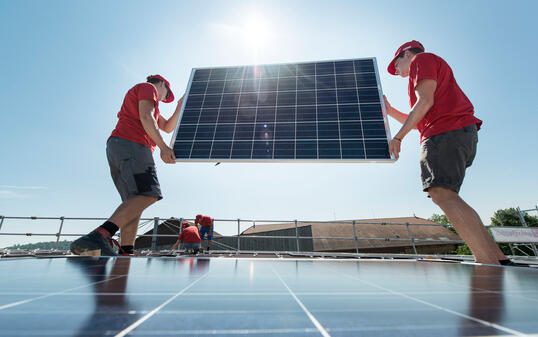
[[198, 218], [185, 224], [408, 45], [170, 97]]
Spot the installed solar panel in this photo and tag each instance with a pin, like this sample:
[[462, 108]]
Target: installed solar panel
[[329, 111], [228, 296]]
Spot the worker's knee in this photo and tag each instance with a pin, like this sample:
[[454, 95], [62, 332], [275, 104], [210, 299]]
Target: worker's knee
[[148, 200], [441, 195]]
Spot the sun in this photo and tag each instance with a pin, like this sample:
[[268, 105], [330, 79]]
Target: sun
[[256, 32]]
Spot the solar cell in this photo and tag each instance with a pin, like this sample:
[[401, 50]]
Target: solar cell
[[326, 111]]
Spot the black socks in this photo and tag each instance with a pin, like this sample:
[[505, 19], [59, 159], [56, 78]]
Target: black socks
[[109, 227], [127, 249]]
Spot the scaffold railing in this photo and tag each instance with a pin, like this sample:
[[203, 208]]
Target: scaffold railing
[[145, 223]]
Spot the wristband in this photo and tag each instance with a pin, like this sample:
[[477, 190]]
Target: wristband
[[398, 139]]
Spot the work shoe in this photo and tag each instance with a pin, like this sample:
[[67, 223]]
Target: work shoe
[[510, 263], [92, 244]]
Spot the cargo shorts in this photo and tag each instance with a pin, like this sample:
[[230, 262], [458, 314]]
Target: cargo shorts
[[132, 168], [445, 157]]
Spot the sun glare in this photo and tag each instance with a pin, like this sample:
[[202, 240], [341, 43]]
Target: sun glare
[[256, 32]]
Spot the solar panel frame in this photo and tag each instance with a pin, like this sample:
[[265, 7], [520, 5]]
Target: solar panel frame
[[199, 152]]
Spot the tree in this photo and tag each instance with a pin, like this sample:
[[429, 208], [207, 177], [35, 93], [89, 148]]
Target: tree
[[62, 245], [462, 249], [501, 217], [439, 218], [442, 220], [509, 217]]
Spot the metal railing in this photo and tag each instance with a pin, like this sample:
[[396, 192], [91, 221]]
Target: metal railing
[[520, 214], [296, 225], [239, 236]]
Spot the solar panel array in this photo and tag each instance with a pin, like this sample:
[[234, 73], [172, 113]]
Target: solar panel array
[[224, 296], [320, 111]]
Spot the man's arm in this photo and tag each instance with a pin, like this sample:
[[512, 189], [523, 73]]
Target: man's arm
[[174, 247], [425, 91], [168, 125], [393, 112], [146, 110]]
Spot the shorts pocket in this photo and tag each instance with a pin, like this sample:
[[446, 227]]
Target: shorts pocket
[[144, 181]]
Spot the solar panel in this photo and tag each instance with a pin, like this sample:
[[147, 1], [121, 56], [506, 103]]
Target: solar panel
[[330, 111], [240, 296]]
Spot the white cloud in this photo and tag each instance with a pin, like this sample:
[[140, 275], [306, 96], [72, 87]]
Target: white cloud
[[13, 191], [11, 194], [13, 187]]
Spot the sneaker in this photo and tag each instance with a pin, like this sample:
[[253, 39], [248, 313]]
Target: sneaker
[[509, 263], [121, 252], [92, 244]]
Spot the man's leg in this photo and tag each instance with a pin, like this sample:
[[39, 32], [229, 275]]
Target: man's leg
[[128, 235], [96, 242], [203, 232], [209, 237], [132, 207], [468, 225]]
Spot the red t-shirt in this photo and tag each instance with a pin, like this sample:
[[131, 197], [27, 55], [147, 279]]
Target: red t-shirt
[[451, 110], [190, 234], [129, 125], [206, 221]]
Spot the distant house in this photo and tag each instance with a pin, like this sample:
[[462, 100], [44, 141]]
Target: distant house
[[385, 235], [374, 236]]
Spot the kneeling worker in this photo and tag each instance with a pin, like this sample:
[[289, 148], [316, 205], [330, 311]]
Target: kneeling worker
[[189, 237]]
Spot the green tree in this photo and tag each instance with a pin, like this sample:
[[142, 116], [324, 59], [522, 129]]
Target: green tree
[[442, 220], [439, 218], [509, 217], [62, 245], [501, 217], [462, 249]]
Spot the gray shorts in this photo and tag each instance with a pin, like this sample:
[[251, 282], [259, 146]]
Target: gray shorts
[[132, 169], [191, 245], [444, 158]]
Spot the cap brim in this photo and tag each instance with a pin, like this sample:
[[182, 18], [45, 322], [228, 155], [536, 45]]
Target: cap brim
[[391, 68], [170, 98]]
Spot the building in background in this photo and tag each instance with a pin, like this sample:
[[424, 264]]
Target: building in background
[[386, 235]]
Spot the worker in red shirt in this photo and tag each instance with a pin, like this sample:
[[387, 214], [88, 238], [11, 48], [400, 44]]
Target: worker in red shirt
[[444, 116], [129, 151], [189, 237], [206, 227]]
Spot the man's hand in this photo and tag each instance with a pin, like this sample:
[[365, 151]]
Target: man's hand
[[394, 147], [180, 102], [167, 155]]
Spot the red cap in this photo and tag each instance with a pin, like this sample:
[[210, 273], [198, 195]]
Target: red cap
[[198, 218], [171, 96], [408, 45], [185, 224]]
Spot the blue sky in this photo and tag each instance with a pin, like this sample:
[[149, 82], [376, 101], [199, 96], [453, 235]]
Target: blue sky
[[66, 66]]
